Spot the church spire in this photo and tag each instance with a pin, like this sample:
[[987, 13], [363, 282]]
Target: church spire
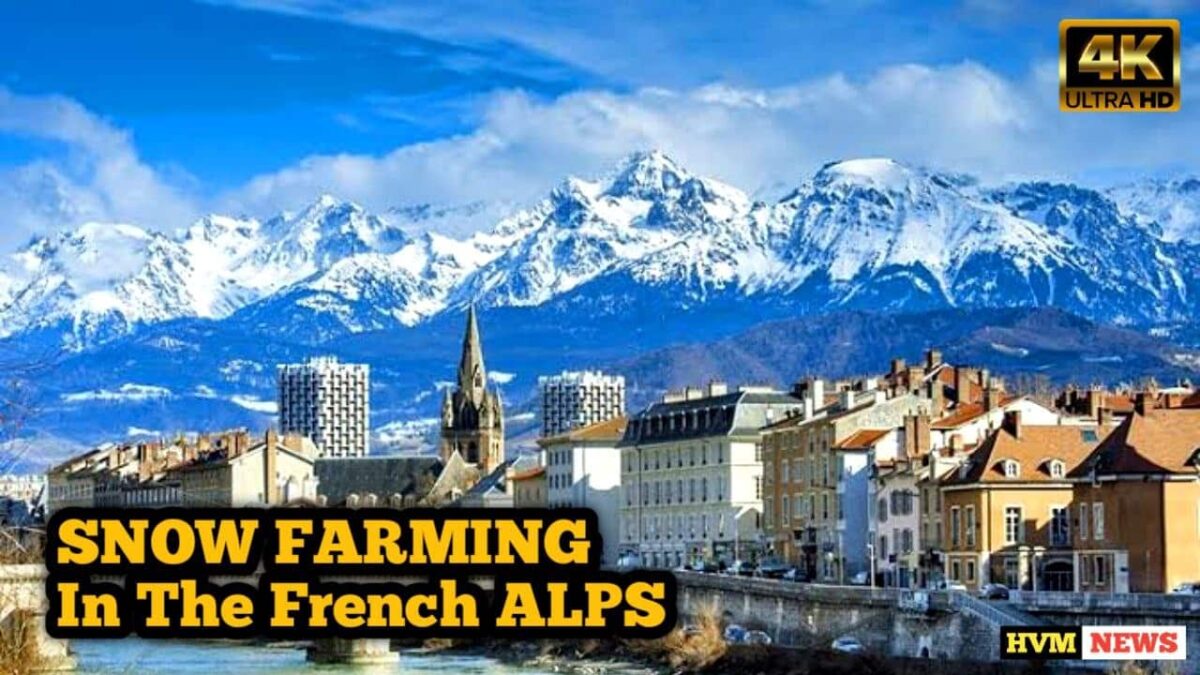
[[471, 375]]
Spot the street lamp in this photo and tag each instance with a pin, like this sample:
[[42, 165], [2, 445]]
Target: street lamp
[[871, 555]]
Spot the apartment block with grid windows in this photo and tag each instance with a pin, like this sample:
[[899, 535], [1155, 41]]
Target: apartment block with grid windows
[[574, 399], [329, 402]]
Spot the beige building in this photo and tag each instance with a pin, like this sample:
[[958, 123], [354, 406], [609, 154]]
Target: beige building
[[274, 471], [529, 488], [817, 468], [583, 469], [1136, 503], [691, 475], [1007, 509]]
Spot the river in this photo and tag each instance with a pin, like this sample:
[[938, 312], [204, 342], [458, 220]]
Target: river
[[158, 656]]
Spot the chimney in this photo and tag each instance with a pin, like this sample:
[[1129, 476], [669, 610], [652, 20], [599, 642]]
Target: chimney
[[991, 398], [915, 375], [924, 435], [937, 394], [691, 393], [962, 383], [717, 388], [985, 378], [270, 489], [1095, 401], [818, 393], [1142, 404], [910, 436], [847, 399], [933, 359], [1012, 423], [808, 408], [1173, 400], [898, 366]]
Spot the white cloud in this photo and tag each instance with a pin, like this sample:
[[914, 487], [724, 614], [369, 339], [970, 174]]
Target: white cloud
[[499, 377], [963, 117], [100, 176]]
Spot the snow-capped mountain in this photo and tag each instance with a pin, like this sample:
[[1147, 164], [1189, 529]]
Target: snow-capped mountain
[[1170, 206], [859, 234]]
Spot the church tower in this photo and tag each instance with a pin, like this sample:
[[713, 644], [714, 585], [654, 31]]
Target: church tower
[[473, 416]]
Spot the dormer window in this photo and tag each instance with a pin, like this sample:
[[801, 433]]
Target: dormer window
[[1057, 468], [1011, 469]]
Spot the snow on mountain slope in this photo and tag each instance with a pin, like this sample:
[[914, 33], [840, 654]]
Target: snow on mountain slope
[[1172, 205], [861, 233]]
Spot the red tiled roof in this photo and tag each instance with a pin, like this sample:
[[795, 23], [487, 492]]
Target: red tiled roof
[[967, 412], [1033, 452], [1166, 441], [863, 438], [609, 430]]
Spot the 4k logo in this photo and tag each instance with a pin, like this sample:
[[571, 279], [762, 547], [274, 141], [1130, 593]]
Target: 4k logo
[[1118, 65]]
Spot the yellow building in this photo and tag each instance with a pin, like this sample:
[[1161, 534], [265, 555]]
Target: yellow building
[[1137, 505], [529, 488], [1007, 509]]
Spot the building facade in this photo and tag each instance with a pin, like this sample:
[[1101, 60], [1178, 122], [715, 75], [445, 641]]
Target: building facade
[[473, 415], [574, 399], [583, 469], [818, 468], [1136, 505], [691, 475], [1007, 509], [328, 402]]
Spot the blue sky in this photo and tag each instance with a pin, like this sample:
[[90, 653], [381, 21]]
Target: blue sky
[[155, 112]]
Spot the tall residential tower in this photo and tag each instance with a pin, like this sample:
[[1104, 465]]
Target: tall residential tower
[[571, 400], [329, 402]]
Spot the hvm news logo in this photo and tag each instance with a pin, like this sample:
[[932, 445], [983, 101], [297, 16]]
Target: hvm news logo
[[1095, 643]]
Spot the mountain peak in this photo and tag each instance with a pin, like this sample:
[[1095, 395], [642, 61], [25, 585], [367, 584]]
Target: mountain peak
[[646, 175], [879, 172]]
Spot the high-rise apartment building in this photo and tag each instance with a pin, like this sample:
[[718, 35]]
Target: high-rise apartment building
[[571, 400], [329, 402]]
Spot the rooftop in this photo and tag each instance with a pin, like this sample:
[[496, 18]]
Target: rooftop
[[1163, 442]]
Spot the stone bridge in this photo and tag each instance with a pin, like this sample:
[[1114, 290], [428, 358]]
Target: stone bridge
[[23, 608], [888, 621]]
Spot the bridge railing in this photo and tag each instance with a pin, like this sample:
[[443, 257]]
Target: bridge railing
[[1100, 602]]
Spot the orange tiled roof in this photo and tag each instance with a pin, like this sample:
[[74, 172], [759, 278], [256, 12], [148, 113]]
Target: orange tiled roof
[[967, 412], [609, 430], [1032, 452], [863, 438], [1164, 442], [531, 473]]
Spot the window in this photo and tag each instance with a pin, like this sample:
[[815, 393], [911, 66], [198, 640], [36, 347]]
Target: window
[[1013, 525], [907, 540], [1084, 516], [757, 487], [797, 508], [785, 513], [784, 466], [970, 570], [768, 513], [1060, 526], [955, 571], [1011, 469], [954, 524], [970, 538], [883, 553], [825, 506], [1056, 469], [1101, 572], [1098, 522]]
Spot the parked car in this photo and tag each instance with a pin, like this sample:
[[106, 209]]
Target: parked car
[[1187, 588], [993, 592], [954, 586], [757, 637], [735, 634], [795, 574], [771, 569], [860, 579], [706, 566], [848, 645], [740, 568]]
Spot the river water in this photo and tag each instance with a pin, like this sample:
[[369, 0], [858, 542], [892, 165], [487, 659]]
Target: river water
[[174, 658]]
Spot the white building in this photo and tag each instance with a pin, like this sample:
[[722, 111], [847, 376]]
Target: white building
[[583, 469], [574, 399], [328, 402], [691, 475]]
